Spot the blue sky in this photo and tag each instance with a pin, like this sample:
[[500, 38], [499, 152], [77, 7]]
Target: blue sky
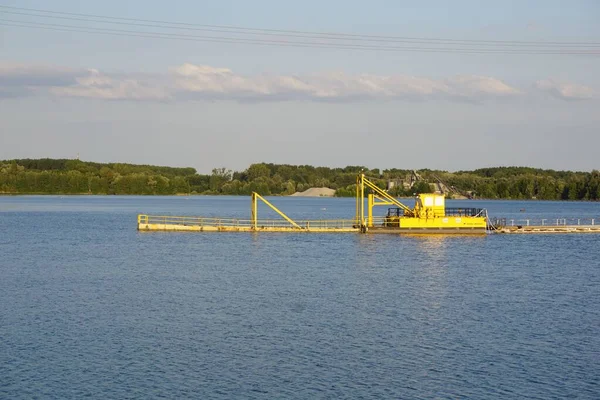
[[176, 102]]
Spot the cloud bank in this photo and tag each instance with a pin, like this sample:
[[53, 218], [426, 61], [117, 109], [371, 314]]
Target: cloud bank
[[566, 91], [202, 82], [100, 86]]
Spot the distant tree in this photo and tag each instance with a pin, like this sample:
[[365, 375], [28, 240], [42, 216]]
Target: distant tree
[[75, 176], [218, 178], [256, 171]]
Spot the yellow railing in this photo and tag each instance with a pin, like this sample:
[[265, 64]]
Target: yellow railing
[[245, 223]]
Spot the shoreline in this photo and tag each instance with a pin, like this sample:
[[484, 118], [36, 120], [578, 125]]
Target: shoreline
[[270, 195]]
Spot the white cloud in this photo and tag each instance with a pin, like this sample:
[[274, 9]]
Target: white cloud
[[99, 86], [566, 91], [474, 85], [190, 81], [205, 80]]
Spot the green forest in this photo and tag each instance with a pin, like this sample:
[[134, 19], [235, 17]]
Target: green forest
[[62, 176]]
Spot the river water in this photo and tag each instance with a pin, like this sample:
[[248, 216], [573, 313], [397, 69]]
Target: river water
[[89, 307]]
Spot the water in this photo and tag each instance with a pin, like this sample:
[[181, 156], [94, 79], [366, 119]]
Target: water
[[89, 307]]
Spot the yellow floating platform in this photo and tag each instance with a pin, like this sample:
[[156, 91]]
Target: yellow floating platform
[[428, 216], [200, 224]]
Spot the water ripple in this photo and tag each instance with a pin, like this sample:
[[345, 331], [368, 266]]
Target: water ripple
[[91, 308]]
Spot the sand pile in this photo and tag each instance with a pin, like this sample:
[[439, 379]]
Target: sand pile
[[316, 192]]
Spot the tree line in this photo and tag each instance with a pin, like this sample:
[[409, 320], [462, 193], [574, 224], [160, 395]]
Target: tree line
[[62, 176]]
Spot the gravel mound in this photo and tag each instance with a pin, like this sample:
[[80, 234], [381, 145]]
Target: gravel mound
[[316, 192]]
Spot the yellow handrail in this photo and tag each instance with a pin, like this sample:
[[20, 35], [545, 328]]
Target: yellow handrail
[[236, 222]]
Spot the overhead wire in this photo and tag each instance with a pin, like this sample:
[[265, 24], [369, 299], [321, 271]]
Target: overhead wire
[[291, 38], [298, 34], [217, 39], [333, 34]]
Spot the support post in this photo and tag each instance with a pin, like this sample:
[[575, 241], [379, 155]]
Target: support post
[[357, 199], [254, 211], [370, 210], [362, 200]]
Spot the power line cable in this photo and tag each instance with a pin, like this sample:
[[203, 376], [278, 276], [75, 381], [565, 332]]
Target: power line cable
[[217, 39], [304, 36], [328, 34]]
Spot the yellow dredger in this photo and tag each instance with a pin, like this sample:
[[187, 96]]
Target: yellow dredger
[[429, 215]]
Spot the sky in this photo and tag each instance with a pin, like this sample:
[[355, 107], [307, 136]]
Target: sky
[[68, 91]]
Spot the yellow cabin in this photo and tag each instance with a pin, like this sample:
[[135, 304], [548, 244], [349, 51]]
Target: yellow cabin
[[429, 205]]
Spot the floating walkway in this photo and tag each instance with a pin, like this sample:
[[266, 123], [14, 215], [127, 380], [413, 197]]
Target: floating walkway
[[199, 224], [545, 225], [550, 229]]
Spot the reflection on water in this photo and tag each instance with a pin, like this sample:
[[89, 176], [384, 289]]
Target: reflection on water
[[433, 277]]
